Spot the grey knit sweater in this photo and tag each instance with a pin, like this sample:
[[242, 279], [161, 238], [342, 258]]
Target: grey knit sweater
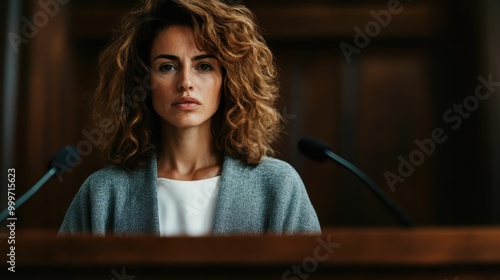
[[269, 197]]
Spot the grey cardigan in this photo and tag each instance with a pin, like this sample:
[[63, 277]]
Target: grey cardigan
[[269, 197]]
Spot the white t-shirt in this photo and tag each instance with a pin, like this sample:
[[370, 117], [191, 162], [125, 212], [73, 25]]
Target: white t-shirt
[[187, 207]]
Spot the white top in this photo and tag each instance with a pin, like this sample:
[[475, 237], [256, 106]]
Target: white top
[[187, 207]]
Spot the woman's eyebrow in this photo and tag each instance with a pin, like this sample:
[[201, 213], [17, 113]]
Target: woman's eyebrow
[[167, 56], [176, 58], [203, 56]]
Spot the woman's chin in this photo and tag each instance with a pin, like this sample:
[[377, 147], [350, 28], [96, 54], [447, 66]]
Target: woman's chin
[[186, 124]]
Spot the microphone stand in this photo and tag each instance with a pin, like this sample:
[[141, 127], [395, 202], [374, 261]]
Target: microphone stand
[[60, 159], [402, 215], [29, 193], [319, 151]]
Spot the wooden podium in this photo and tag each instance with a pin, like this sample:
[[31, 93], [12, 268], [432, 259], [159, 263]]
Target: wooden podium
[[422, 253]]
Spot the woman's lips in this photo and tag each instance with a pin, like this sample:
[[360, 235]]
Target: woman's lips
[[186, 103]]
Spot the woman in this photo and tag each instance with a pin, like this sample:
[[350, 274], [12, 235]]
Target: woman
[[190, 88]]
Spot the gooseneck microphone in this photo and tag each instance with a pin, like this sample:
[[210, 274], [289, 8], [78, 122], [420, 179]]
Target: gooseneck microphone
[[319, 151], [58, 165]]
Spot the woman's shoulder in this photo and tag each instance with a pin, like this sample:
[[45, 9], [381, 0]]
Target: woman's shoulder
[[267, 165], [269, 172], [280, 174], [275, 167], [109, 173], [114, 175]]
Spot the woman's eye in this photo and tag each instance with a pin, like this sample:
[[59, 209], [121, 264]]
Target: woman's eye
[[166, 67], [204, 67]]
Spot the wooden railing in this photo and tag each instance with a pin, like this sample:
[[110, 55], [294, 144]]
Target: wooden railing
[[424, 253]]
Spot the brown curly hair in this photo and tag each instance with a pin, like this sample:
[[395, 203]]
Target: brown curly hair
[[246, 123]]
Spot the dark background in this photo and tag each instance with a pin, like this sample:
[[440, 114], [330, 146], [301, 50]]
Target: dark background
[[370, 111]]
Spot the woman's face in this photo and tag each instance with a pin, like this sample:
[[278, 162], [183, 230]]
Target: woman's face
[[186, 80]]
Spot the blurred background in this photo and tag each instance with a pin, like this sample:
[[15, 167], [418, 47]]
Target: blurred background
[[370, 78]]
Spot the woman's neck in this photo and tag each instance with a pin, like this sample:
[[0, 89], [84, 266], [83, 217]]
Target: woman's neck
[[188, 153]]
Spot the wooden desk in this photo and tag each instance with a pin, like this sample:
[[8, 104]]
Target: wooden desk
[[424, 253]]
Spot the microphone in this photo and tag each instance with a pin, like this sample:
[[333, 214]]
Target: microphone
[[319, 151], [61, 160]]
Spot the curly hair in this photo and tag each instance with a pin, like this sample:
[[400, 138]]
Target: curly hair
[[246, 123]]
